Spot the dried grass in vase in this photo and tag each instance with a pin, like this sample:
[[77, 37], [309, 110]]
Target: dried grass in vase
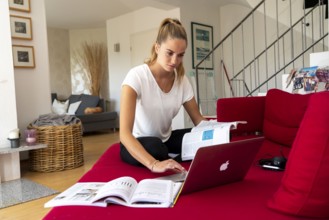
[[93, 59]]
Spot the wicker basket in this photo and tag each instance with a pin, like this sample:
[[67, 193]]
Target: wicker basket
[[64, 148]]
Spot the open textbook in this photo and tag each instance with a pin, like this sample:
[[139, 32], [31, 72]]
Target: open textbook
[[122, 191], [206, 133]]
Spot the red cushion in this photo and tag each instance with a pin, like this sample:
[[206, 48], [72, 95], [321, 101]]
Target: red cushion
[[250, 109], [305, 185], [283, 113]]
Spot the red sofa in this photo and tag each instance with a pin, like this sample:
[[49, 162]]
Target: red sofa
[[277, 117]]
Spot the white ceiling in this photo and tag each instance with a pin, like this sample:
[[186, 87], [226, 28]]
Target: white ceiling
[[75, 14]]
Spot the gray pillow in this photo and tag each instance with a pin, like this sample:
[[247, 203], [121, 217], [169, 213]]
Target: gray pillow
[[87, 101], [74, 98]]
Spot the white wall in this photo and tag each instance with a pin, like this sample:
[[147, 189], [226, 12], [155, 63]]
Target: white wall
[[8, 113], [59, 62], [32, 85]]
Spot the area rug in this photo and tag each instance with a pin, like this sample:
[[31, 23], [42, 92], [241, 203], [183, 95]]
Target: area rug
[[22, 190]]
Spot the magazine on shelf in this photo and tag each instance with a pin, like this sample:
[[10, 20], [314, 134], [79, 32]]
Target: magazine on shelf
[[124, 191], [207, 133]]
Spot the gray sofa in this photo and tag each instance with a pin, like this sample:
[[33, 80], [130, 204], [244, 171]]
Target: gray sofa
[[92, 122]]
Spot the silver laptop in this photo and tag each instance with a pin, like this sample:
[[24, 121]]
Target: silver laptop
[[219, 164]]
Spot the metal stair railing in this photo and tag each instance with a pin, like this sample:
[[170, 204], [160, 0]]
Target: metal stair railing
[[301, 54], [263, 73]]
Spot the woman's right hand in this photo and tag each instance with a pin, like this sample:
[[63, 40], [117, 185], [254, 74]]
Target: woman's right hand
[[166, 165]]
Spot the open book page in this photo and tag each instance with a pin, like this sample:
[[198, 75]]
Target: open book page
[[151, 193], [122, 188], [177, 191], [194, 140], [78, 194], [207, 125]]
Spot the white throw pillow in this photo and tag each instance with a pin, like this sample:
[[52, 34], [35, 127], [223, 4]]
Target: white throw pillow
[[59, 107], [73, 108]]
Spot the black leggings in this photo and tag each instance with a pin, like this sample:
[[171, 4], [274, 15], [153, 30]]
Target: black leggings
[[156, 148]]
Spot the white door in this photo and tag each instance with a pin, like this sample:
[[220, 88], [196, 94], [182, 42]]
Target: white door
[[141, 44]]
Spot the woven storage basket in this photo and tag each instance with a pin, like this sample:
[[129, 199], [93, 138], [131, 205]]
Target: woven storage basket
[[64, 148]]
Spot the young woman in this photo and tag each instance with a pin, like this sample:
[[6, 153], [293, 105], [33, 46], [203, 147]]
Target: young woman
[[151, 96]]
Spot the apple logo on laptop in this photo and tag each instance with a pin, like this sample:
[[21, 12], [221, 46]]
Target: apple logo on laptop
[[224, 166]]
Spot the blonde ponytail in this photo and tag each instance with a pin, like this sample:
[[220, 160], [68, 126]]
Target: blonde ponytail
[[172, 28]]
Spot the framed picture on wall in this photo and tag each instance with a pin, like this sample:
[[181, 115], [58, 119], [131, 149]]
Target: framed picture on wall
[[23, 56], [202, 44], [20, 5], [21, 27]]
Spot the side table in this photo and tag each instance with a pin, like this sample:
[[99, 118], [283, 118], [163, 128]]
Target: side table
[[10, 162]]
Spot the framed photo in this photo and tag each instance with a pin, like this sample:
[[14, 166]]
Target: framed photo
[[202, 44], [20, 5], [23, 56], [21, 27]]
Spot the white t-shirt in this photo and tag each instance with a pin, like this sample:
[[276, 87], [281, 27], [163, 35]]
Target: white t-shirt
[[155, 109]]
